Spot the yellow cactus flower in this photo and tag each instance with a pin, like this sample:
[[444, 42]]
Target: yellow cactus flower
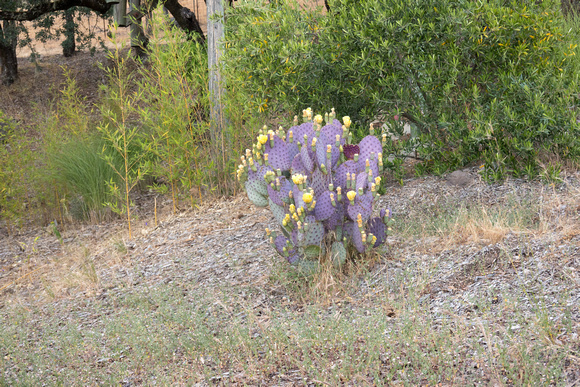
[[292, 208], [262, 139], [307, 197], [346, 120], [351, 195], [318, 119], [378, 180], [297, 179]]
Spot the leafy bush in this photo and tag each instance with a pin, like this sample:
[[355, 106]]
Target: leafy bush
[[174, 91], [486, 81], [320, 188]]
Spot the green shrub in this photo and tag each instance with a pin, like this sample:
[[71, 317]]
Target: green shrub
[[491, 82], [174, 91]]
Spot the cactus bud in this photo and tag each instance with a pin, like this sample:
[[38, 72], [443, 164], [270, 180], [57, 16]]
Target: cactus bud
[[314, 144], [378, 180], [258, 146], [367, 166], [360, 191], [313, 204], [290, 194], [299, 225], [359, 221], [332, 200], [278, 184], [268, 232], [349, 137], [344, 132], [265, 157], [252, 165], [284, 222], [271, 133], [380, 162], [384, 140], [364, 236], [295, 120], [291, 136], [332, 114], [295, 217], [355, 158], [292, 208], [337, 140], [351, 195], [326, 118], [323, 169], [372, 130], [331, 187]]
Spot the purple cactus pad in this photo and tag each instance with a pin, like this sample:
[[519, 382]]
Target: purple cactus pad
[[278, 156]]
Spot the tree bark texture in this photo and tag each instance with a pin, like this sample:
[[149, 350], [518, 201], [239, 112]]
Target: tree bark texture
[[8, 59], [69, 44], [215, 35]]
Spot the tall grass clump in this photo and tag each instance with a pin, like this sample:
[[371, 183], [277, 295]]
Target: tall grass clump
[[489, 82], [81, 168]]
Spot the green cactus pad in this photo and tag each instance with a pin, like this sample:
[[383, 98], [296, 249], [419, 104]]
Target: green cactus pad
[[308, 267], [257, 192], [312, 252], [315, 232], [338, 254], [277, 210]]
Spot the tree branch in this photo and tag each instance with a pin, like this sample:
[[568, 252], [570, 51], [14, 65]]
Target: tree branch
[[46, 6], [185, 19]]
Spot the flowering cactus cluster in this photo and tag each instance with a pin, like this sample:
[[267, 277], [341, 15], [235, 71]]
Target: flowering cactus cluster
[[319, 186]]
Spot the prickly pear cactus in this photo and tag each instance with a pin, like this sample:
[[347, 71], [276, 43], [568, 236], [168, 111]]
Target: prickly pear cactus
[[320, 188]]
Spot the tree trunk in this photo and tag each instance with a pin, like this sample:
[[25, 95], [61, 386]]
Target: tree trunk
[[186, 19], [8, 60], [139, 40], [218, 125], [69, 45]]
